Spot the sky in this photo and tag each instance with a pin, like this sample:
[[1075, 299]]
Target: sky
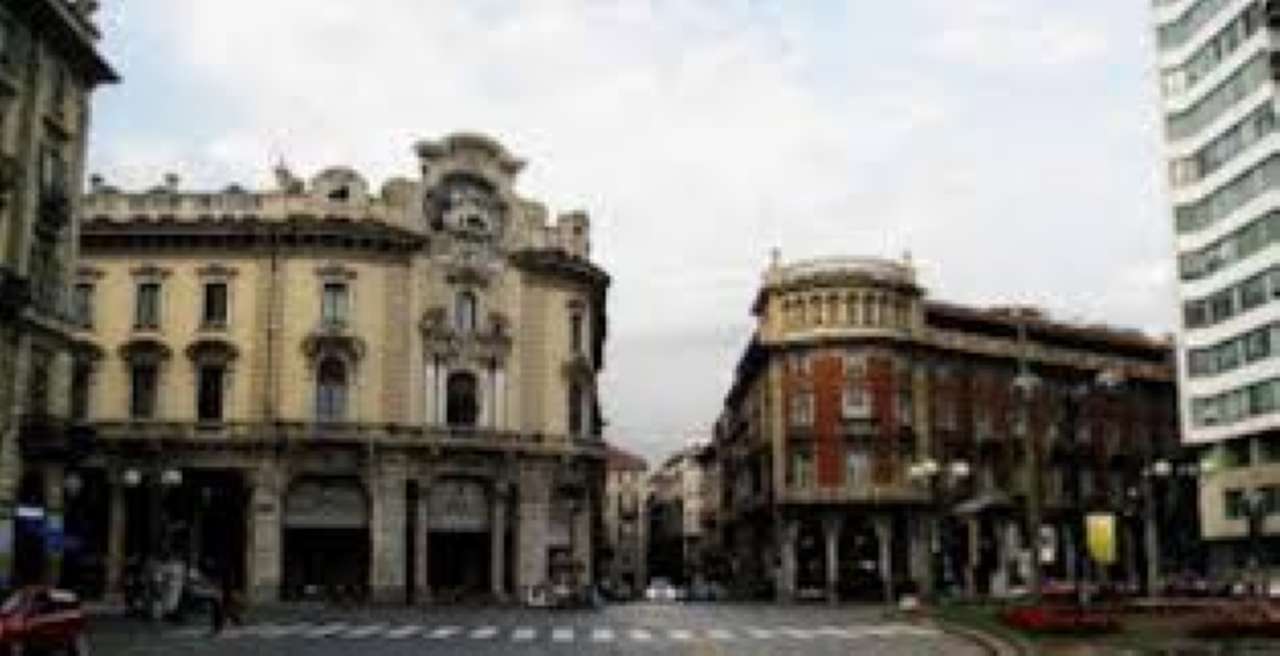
[[1011, 146]]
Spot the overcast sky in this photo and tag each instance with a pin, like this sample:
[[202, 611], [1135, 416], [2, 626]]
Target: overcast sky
[[1011, 145]]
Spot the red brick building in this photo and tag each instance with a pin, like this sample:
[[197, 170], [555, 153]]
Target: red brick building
[[873, 437]]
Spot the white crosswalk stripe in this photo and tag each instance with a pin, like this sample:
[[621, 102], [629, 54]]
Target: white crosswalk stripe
[[559, 634], [444, 632], [326, 630], [484, 633], [406, 631], [366, 631]]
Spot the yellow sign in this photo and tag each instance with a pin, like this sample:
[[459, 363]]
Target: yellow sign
[[1100, 529]]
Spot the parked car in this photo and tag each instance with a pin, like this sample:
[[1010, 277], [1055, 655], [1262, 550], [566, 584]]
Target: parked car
[[660, 589], [44, 619]]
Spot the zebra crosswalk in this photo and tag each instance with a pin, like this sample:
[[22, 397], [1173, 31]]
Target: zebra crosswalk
[[557, 634]]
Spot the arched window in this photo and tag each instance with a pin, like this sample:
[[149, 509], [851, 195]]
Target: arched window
[[465, 312], [331, 390], [463, 404]]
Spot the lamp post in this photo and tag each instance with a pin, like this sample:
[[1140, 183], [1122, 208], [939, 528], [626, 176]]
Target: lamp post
[[1025, 385], [929, 471]]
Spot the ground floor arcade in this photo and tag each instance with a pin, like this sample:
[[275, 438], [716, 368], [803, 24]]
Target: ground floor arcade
[[393, 527]]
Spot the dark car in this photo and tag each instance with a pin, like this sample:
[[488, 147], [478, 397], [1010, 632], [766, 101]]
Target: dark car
[[42, 620]]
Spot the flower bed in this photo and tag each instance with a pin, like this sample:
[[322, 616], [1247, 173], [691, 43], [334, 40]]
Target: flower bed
[[1066, 620]]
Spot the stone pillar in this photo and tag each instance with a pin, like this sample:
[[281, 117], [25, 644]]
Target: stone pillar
[[116, 533], [264, 518], [55, 524], [387, 525], [831, 526], [884, 536], [423, 554], [498, 550], [500, 401], [582, 546], [921, 540], [533, 513], [788, 532], [972, 557]]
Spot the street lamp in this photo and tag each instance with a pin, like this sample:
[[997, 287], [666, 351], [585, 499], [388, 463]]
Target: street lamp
[[929, 471]]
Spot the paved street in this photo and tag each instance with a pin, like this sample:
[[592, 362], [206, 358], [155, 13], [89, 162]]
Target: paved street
[[636, 628]]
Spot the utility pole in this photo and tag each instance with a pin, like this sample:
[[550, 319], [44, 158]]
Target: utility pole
[[1025, 384]]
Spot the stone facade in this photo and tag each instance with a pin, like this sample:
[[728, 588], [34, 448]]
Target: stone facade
[[403, 381], [873, 438], [49, 67], [625, 531]]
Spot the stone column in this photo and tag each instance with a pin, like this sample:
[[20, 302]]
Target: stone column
[[116, 533], [55, 522], [264, 518], [387, 525], [922, 554], [884, 536], [423, 554], [533, 512], [582, 548], [788, 531], [831, 534], [498, 548], [972, 557]]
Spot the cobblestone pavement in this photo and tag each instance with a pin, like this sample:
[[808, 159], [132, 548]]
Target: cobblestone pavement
[[621, 629]]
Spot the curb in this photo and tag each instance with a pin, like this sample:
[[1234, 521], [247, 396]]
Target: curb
[[997, 646]]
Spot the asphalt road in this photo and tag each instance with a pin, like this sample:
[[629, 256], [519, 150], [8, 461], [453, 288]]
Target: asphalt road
[[640, 628]]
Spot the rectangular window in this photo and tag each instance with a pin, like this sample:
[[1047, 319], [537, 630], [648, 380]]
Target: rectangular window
[[53, 172], [210, 394], [81, 378], [214, 314], [1257, 344], [802, 469], [1270, 448], [82, 305], [1253, 292], [857, 468], [1270, 497], [38, 381], [142, 393], [1261, 399], [802, 408], [1233, 504], [853, 401], [575, 332], [146, 312], [333, 304], [1237, 453]]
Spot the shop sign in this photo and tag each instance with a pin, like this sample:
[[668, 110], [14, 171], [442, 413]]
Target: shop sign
[[458, 506]]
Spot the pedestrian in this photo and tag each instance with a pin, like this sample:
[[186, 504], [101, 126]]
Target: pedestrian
[[217, 610]]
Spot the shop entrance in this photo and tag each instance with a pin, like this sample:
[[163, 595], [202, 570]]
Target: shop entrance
[[459, 539], [326, 539]]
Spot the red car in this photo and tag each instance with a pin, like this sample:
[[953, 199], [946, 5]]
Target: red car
[[40, 619]]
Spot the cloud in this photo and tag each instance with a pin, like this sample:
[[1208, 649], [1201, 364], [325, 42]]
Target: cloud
[[699, 135]]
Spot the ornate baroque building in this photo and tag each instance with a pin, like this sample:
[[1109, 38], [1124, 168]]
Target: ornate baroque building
[[49, 67], [874, 437], [318, 389]]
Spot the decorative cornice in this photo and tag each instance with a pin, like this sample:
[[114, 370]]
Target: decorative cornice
[[335, 271], [212, 350], [217, 270], [145, 350], [150, 271]]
